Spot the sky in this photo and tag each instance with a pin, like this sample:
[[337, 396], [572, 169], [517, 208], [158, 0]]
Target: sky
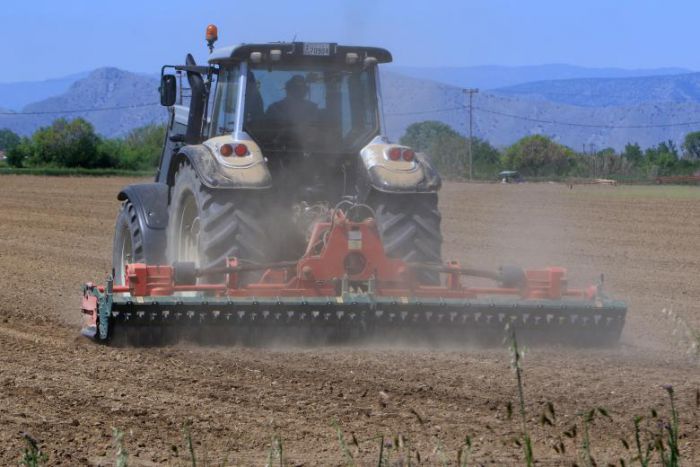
[[41, 39]]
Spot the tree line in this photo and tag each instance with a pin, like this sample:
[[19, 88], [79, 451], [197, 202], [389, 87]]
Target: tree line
[[75, 144], [542, 156]]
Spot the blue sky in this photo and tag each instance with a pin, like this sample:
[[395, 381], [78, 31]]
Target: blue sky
[[47, 38]]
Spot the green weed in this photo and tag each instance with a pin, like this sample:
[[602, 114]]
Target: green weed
[[32, 455], [122, 457], [669, 452], [516, 362]]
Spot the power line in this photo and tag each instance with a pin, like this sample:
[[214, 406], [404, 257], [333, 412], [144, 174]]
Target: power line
[[420, 112], [586, 125], [548, 122], [397, 114], [72, 111]]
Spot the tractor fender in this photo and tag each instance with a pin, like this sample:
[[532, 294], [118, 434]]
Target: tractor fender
[[383, 174], [151, 203], [219, 172]]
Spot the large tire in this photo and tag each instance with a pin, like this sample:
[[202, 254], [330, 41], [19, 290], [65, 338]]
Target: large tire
[[127, 246], [207, 226], [410, 228]]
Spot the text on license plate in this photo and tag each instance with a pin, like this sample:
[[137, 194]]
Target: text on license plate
[[314, 48]]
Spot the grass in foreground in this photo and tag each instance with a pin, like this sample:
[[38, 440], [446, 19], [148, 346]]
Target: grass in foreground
[[655, 439]]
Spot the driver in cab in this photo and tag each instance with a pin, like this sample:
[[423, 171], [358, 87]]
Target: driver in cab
[[295, 112]]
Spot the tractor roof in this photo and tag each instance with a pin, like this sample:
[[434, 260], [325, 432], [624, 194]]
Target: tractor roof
[[298, 50]]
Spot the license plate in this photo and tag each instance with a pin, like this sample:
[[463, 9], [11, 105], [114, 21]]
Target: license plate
[[314, 48]]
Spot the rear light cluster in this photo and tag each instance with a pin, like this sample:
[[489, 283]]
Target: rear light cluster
[[239, 150], [396, 153]]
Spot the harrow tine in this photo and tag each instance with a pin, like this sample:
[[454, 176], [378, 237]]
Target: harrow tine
[[253, 323]]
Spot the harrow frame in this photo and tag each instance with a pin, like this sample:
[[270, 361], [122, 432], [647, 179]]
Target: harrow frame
[[345, 287]]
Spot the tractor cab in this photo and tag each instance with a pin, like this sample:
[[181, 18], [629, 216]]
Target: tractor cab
[[303, 108], [298, 97]]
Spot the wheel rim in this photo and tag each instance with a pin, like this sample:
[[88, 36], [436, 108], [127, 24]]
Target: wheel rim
[[187, 244], [124, 257]]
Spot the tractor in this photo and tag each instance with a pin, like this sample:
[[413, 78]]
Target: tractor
[[279, 203]]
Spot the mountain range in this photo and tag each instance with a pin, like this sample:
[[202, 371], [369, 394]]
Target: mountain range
[[609, 92], [502, 119], [606, 111], [498, 76]]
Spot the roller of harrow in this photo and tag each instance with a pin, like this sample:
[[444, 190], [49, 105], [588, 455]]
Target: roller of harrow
[[345, 289]]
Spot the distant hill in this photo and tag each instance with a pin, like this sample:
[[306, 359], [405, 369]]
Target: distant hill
[[408, 100], [612, 92], [496, 76], [129, 100]]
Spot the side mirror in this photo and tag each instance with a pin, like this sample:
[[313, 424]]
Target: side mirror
[[168, 90]]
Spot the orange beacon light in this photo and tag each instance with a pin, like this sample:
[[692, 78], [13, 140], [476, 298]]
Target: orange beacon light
[[211, 36]]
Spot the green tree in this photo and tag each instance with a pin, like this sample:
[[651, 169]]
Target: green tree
[[75, 144], [68, 144], [691, 145], [8, 139], [487, 159], [662, 159], [451, 156], [633, 153], [420, 136], [605, 163], [539, 155], [113, 151], [19, 154], [449, 150], [142, 147]]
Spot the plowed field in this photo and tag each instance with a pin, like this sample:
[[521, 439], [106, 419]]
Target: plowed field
[[69, 394]]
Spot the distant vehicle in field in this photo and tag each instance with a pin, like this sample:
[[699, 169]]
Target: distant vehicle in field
[[510, 176]]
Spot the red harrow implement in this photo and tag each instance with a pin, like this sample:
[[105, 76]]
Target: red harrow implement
[[345, 288]]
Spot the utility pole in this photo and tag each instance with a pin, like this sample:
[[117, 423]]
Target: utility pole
[[471, 92]]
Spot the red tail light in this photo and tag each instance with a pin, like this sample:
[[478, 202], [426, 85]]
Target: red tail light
[[395, 154], [226, 150], [241, 150], [409, 155]]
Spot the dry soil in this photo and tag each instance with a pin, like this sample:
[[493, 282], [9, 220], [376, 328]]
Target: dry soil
[[69, 394]]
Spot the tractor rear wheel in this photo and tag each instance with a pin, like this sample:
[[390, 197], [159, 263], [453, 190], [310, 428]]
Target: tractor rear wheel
[[410, 228], [127, 246], [206, 226]]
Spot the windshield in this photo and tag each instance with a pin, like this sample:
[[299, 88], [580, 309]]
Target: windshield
[[311, 109]]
